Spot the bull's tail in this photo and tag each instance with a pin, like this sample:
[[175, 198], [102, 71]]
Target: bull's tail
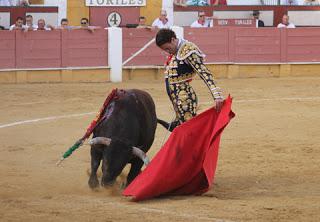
[[168, 126]]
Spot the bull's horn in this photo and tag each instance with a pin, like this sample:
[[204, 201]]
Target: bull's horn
[[142, 155], [100, 141]]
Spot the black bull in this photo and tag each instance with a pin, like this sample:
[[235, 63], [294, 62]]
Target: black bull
[[130, 121]]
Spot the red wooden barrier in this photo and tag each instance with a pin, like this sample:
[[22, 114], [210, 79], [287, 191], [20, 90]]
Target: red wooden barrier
[[38, 49], [83, 48], [7, 49], [212, 42], [303, 45], [80, 48], [134, 40], [256, 45]]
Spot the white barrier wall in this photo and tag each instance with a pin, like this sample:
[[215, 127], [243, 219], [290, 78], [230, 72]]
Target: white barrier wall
[[115, 53]]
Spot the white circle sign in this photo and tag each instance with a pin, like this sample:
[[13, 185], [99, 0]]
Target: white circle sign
[[114, 19]]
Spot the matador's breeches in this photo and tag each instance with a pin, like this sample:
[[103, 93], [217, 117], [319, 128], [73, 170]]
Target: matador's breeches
[[184, 100]]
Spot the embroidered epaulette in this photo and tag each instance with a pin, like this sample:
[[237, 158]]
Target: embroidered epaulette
[[187, 49]]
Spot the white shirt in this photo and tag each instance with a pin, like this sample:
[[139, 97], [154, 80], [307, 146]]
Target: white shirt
[[34, 27], [196, 24], [159, 24], [14, 25], [289, 26]]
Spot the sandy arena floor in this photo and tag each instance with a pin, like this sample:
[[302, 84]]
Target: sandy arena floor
[[268, 167]]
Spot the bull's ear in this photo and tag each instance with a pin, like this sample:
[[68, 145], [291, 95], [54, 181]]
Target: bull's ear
[[100, 141]]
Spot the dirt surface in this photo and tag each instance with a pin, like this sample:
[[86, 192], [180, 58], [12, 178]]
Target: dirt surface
[[268, 167]]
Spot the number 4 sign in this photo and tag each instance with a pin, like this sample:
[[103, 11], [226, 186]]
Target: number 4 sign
[[114, 19]]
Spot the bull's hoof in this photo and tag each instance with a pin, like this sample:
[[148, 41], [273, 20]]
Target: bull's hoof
[[107, 184], [93, 182], [123, 185]]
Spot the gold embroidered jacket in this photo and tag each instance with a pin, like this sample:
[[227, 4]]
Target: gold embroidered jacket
[[187, 62]]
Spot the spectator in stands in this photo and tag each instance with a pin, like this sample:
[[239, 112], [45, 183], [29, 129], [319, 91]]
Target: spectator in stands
[[18, 25], [285, 23], [311, 2], [256, 15], [43, 27], [29, 23], [142, 23], [162, 21], [85, 25], [202, 22], [64, 24], [218, 2]]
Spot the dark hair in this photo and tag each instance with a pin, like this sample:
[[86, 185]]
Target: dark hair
[[29, 16], [164, 36], [63, 20], [87, 20], [19, 18], [142, 17]]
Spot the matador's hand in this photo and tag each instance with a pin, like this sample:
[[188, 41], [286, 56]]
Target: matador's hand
[[219, 103]]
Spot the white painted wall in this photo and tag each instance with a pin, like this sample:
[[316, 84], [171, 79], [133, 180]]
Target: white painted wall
[[51, 2], [62, 4], [168, 6], [305, 18], [185, 18], [50, 18], [5, 19]]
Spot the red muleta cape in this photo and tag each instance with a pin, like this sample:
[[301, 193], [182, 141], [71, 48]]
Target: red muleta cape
[[187, 162]]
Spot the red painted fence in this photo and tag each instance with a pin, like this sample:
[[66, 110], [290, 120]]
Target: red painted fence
[[80, 48], [233, 45], [251, 45], [134, 40], [7, 49], [53, 49]]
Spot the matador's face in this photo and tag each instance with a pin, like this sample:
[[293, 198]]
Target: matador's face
[[170, 47]]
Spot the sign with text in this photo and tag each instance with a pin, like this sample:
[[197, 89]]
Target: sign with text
[[235, 22], [115, 2]]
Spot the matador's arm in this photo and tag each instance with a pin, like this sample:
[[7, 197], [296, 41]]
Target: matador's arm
[[196, 63]]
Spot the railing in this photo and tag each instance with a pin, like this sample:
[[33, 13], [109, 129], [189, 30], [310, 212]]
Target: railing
[[270, 2]]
